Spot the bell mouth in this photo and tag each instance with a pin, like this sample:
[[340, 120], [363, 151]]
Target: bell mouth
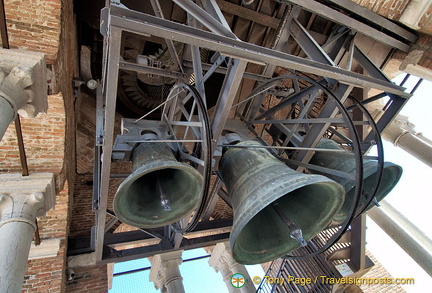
[[390, 177], [263, 237], [139, 203]]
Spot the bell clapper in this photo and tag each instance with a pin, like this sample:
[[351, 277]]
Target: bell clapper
[[294, 231], [164, 199]]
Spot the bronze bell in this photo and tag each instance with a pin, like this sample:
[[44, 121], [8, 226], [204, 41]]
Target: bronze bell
[[160, 190], [272, 203], [345, 162]]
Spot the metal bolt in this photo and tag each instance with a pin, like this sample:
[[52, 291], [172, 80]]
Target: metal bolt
[[92, 84]]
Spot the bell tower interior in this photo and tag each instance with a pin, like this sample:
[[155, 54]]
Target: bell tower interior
[[255, 125]]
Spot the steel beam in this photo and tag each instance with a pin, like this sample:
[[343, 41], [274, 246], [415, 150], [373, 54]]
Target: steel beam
[[99, 136], [223, 70], [280, 43], [141, 23], [395, 106], [82, 245], [317, 131], [227, 95], [146, 251], [345, 20], [308, 44], [376, 18], [214, 10], [197, 66], [140, 68], [217, 185], [341, 41], [110, 96], [358, 243], [171, 48], [290, 100], [368, 65], [205, 18]]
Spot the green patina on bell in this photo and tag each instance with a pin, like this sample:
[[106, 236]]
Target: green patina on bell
[[345, 162], [160, 190], [256, 180]]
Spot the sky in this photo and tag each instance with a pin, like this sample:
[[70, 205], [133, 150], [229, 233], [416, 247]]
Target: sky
[[412, 196], [197, 275]]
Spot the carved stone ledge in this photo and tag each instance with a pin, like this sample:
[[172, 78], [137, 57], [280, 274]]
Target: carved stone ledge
[[23, 81]]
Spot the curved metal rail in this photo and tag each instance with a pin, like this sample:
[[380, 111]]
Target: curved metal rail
[[179, 114]]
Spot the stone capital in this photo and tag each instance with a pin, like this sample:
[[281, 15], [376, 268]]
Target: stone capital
[[174, 256], [222, 261], [220, 256], [160, 262], [157, 279], [23, 198], [23, 82], [165, 273]]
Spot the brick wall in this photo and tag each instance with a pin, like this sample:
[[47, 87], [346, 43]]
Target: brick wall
[[425, 22], [83, 217], [34, 25], [44, 141], [391, 9], [425, 43], [47, 26], [420, 54], [89, 279]]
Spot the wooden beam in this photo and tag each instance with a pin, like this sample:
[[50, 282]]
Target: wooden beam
[[248, 14]]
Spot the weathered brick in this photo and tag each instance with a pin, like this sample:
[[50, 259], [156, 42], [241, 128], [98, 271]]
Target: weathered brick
[[27, 23]]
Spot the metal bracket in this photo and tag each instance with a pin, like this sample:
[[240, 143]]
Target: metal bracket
[[135, 132]]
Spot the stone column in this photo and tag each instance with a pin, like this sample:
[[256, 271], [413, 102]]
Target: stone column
[[7, 115], [22, 199], [222, 261], [23, 85], [407, 235], [165, 272], [402, 134]]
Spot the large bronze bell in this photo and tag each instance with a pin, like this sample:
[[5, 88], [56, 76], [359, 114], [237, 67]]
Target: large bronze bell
[[345, 162], [262, 188], [160, 190]]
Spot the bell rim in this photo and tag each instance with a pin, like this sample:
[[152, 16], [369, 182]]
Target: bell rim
[[369, 171], [241, 222]]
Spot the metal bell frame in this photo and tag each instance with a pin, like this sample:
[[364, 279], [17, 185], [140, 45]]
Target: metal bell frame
[[132, 21], [181, 93]]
